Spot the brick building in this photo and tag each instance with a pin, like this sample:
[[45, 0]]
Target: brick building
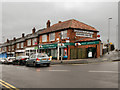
[[72, 39], [78, 39]]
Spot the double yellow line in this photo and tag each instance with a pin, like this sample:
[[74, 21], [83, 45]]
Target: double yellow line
[[7, 85]]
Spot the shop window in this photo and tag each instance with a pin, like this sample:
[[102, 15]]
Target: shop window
[[54, 52], [44, 38], [52, 37], [64, 34], [29, 42], [34, 41]]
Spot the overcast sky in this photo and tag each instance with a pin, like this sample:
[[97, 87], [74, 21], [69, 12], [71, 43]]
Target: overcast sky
[[19, 17]]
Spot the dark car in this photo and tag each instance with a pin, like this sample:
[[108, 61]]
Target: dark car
[[20, 60]]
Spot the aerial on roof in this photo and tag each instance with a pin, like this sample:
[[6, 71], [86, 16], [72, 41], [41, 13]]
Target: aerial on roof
[[69, 24]]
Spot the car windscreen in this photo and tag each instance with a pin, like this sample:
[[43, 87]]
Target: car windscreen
[[42, 55]]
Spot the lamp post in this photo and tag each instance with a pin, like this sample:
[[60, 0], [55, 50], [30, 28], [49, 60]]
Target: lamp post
[[61, 44], [108, 34]]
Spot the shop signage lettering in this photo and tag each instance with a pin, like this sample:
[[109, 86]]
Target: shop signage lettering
[[88, 43]]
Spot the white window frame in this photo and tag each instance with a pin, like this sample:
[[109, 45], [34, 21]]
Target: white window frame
[[9, 48], [22, 44], [64, 34], [44, 38], [34, 41], [12, 47], [29, 42], [52, 37], [18, 45]]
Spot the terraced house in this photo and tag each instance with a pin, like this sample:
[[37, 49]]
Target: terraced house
[[68, 39]]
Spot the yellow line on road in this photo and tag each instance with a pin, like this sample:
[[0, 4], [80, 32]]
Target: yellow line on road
[[5, 86], [9, 85]]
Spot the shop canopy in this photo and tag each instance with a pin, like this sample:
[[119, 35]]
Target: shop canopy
[[48, 46]]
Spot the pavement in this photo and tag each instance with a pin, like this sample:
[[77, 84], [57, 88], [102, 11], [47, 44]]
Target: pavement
[[112, 56]]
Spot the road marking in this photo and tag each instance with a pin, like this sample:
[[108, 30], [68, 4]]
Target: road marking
[[78, 64], [7, 85], [58, 70], [104, 71]]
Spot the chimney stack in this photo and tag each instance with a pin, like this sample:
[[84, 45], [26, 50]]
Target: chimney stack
[[33, 30], [7, 40], [59, 21], [14, 38], [48, 23], [23, 35]]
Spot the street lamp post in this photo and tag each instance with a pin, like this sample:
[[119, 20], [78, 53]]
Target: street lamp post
[[108, 34]]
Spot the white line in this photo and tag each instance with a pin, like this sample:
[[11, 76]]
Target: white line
[[104, 71], [59, 70]]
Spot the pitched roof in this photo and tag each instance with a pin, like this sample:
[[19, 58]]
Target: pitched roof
[[68, 24]]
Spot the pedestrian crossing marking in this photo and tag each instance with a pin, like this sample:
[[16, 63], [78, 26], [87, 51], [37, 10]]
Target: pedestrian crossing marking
[[7, 85]]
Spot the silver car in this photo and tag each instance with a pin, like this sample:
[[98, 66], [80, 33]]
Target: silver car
[[38, 59]]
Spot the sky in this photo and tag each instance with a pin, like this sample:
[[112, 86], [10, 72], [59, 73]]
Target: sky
[[21, 17]]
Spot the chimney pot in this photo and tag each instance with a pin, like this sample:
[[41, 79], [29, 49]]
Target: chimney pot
[[14, 38], [23, 35], [48, 23], [33, 30], [7, 40], [59, 21]]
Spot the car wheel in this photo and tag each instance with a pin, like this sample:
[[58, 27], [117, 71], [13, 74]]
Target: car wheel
[[7, 63], [26, 64], [18, 63], [48, 64], [35, 65]]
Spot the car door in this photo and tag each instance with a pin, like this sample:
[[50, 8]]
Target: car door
[[31, 59]]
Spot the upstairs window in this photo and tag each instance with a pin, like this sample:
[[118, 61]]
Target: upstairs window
[[13, 47], [34, 41], [9, 48], [5, 48], [18, 45], [52, 37], [44, 38], [64, 34], [22, 45], [29, 42]]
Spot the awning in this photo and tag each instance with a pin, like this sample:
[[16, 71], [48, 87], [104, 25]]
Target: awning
[[50, 46]]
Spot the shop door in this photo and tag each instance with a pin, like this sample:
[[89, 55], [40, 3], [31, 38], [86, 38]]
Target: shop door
[[93, 52]]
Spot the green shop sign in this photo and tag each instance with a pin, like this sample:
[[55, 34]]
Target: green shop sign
[[88, 43], [47, 46]]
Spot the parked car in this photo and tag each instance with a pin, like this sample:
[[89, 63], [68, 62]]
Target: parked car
[[2, 60], [9, 60], [20, 60], [38, 59]]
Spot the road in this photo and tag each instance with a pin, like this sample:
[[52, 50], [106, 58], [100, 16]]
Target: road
[[97, 75]]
